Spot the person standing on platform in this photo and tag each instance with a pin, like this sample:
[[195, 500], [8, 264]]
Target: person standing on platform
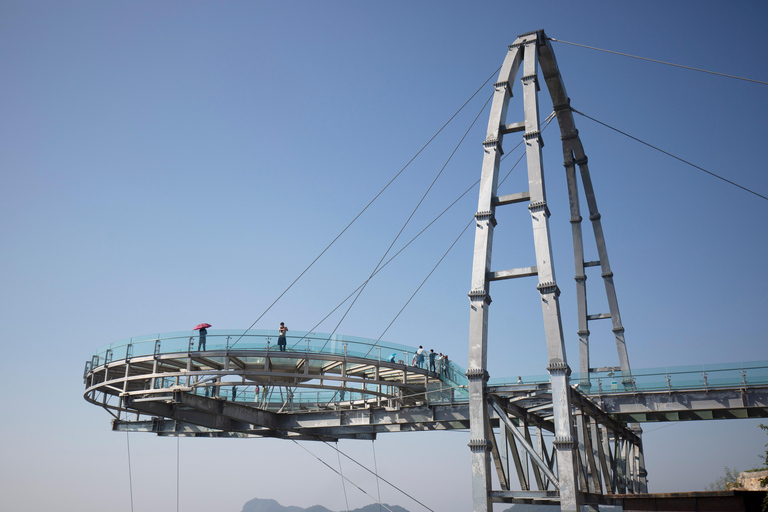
[[281, 339], [201, 339], [202, 328], [432, 356], [420, 357]]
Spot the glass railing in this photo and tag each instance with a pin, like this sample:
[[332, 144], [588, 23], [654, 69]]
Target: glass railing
[[273, 397], [672, 378], [238, 339], [694, 377]]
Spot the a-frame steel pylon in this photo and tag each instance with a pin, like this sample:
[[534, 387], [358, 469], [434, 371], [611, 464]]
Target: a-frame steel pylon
[[573, 480]]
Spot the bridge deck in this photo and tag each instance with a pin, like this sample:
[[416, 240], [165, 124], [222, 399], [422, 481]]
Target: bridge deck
[[339, 386]]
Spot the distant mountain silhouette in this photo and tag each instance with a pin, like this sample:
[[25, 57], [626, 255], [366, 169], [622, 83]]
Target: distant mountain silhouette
[[259, 505]]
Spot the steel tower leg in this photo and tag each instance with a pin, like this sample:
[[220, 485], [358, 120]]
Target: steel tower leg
[[559, 371], [531, 50], [480, 429], [574, 155]]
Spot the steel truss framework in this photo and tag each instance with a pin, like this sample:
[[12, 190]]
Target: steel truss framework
[[198, 388], [583, 460]]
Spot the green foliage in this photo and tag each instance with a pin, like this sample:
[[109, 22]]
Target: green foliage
[[729, 480]]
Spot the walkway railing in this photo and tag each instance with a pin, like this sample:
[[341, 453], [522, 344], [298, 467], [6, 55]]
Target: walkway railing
[[675, 378], [266, 340], [671, 378]]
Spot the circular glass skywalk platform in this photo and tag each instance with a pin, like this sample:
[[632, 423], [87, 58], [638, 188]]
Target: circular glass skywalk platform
[[316, 372]]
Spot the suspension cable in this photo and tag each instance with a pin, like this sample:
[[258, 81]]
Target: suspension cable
[[413, 212], [130, 477], [396, 254], [547, 121], [670, 154], [425, 279], [343, 485], [378, 477], [376, 468], [661, 62], [366, 207], [342, 476]]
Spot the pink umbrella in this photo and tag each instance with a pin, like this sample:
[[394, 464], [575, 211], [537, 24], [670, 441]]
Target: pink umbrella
[[201, 326]]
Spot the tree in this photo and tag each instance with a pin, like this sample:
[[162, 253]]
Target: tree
[[730, 480]]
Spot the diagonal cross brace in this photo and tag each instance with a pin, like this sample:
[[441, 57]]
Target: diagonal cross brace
[[493, 403]]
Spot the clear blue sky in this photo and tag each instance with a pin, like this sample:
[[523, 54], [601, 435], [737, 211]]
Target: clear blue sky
[[171, 163]]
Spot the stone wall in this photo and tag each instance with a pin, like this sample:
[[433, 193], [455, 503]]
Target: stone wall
[[751, 481]]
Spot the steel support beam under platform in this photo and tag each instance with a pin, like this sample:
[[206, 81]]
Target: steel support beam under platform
[[683, 405]]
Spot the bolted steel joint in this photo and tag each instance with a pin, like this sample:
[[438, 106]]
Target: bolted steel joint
[[548, 287], [479, 445], [476, 374], [493, 144], [479, 296], [559, 367], [539, 206], [532, 135], [501, 86], [564, 442], [484, 216]]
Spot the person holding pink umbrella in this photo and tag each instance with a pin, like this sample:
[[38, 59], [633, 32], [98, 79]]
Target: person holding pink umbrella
[[203, 332]]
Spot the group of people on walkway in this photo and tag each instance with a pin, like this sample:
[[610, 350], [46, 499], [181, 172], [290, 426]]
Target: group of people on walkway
[[438, 363]]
